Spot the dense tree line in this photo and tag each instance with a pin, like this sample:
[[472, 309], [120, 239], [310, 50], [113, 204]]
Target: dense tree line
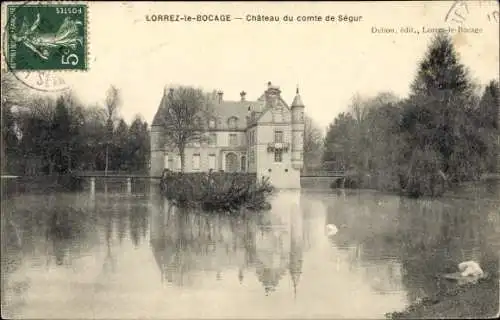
[[445, 132], [43, 134]]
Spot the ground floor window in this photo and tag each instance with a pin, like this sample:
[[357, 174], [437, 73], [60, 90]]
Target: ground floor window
[[243, 163], [196, 162], [231, 162], [166, 160], [178, 162], [212, 161]]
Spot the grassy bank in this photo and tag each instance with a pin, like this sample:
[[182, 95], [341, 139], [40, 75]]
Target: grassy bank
[[216, 191], [477, 301], [465, 189]]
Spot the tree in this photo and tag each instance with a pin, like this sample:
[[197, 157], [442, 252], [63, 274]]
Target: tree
[[438, 118], [138, 144], [339, 146], [91, 133], [350, 139], [183, 108], [489, 105], [36, 148], [61, 135], [440, 74], [489, 117], [313, 143], [384, 145], [120, 157], [113, 102], [11, 95], [9, 138]]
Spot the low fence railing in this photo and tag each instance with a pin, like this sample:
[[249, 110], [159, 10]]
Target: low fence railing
[[124, 174], [322, 173], [309, 173]]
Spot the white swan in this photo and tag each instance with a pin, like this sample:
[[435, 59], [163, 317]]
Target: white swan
[[470, 269], [331, 229]]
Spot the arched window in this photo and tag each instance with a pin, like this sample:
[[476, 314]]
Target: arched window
[[231, 162]]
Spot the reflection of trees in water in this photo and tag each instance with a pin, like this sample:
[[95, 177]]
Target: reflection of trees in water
[[186, 242], [40, 229], [121, 216], [449, 233], [428, 237], [138, 223], [295, 260]]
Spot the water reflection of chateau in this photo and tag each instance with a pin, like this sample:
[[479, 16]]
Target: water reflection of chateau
[[188, 245]]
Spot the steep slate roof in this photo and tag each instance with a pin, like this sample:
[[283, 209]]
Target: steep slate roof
[[226, 109], [297, 101], [223, 111], [156, 119]]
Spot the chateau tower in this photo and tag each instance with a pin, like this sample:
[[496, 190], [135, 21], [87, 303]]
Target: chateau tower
[[297, 132]]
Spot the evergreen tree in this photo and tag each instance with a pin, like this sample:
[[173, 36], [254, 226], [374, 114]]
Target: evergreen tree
[[488, 123], [435, 119], [138, 144], [489, 105], [120, 157], [61, 135]]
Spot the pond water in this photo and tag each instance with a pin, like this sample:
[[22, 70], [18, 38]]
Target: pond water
[[121, 253]]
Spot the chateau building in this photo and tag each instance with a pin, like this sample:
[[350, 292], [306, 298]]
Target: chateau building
[[264, 136]]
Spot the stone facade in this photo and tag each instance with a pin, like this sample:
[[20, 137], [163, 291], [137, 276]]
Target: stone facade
[[263, 136]]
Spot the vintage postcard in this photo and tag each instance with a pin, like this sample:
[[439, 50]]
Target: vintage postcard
[[250, 160]]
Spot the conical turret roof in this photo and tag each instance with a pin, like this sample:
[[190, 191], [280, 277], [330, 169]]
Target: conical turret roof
[[297, 101]]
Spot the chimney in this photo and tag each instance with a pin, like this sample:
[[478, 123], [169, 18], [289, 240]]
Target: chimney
[[220, 94], [269, 84], [243, 95]]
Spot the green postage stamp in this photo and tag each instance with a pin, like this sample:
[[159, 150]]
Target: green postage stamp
[[47, 37]]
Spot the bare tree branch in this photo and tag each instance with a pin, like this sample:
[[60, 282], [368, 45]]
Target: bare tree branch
[[313, 143], [183, 118], [113, 101]]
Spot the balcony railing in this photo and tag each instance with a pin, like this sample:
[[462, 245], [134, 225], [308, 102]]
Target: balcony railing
[[272, 146]]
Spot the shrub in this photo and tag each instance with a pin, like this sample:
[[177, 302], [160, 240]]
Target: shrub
[[216, 191]]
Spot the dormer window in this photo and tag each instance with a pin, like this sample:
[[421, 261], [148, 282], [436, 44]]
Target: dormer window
[[211, 123], [197, 122], [232, 122]]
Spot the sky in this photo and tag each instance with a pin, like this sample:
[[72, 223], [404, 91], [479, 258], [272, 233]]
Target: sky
[[329, 61]]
